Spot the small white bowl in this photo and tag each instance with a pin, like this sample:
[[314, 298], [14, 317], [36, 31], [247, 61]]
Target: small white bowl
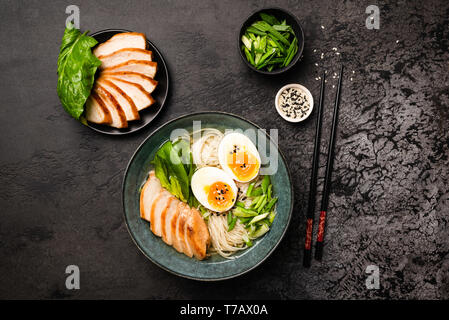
[[301, 88]]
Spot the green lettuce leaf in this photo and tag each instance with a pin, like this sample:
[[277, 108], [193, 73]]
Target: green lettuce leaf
[[161, 172], [173, 174], [76, 70]]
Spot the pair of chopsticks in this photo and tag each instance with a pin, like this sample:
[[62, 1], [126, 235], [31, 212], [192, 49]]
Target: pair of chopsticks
[[313, 180]]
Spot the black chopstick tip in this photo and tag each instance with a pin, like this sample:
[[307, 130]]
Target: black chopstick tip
[[340, 78]]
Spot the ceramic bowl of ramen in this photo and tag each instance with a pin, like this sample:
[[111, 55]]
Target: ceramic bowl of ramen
[[214, 266]]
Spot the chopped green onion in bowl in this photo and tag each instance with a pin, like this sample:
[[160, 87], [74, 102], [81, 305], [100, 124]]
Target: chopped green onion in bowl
[[269, 44]]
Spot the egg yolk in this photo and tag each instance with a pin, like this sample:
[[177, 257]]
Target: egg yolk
[[220, 195], [243, 164]]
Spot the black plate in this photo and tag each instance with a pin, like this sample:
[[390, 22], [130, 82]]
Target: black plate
[[159, 94], [281, 14]]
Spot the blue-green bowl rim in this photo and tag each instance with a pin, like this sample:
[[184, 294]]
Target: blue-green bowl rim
[[209, 279]]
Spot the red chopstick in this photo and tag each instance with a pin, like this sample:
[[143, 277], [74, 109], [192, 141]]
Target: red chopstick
[[327, 182]]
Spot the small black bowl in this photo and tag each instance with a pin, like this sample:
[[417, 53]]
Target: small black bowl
[[159, 94], [280, 14]]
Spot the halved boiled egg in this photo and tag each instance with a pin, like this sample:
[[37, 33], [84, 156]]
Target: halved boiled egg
[[214, 189], [239, 157]]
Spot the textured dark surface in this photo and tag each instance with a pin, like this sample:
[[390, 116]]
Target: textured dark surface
[[60, 190]]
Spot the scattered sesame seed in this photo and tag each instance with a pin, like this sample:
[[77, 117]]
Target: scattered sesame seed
[[335, 49], [397, 41], [353, 71], [351, 79], [316, 64], [322, 27], [337, 53], [314, 50]]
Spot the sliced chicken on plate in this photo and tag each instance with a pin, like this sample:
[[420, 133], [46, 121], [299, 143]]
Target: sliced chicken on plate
[[141, 98], [173, 220], [96, 111], [121, 41], [147, 68], [124, 55], [125, 83], [117, 114], [146, 82], [122, 98]]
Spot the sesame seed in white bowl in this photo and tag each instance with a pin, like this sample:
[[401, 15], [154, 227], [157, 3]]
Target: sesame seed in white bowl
[[294, 102]]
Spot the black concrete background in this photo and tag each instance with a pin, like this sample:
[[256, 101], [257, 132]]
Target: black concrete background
[[60, 189]]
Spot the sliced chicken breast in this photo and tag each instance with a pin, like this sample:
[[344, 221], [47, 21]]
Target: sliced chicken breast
[[149, 192], [122, 98], [96, 111], [197, 234], [124, 55], [180, 232], [140, 97], [173, 220], [189, 250], [121, 41], [166, 217], [148, 68], [159, 205], [146, 82], [117, 115], [174, 227]]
